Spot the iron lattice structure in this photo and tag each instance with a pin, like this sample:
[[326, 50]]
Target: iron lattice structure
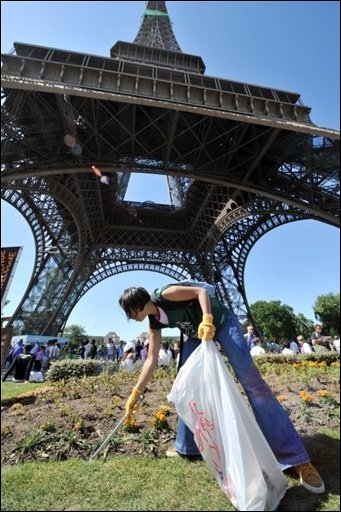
[[240, 160]]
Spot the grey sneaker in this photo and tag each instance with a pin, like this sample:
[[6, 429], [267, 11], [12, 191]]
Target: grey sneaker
[[171, 452]]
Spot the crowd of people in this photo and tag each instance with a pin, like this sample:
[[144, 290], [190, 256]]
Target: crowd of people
[[27, 363], [318, 341], [133, 358], [125, 353], [132, 354]]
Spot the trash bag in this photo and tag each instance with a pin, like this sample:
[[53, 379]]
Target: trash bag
[[36, 377], [226, 432]]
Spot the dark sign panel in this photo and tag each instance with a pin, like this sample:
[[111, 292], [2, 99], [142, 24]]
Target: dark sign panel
[[9, 259]]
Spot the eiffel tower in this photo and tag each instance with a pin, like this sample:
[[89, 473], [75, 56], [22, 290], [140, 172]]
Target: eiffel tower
[[239, 159]]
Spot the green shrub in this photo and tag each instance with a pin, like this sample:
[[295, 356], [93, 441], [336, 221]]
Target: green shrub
[[66, 369]]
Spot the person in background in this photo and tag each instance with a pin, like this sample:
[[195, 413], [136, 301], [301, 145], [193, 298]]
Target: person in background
[[92, 352], [53, 351], [336, 343], [111, 350], [81, 348], [250, 336], [144, 351], [305, 347], [101, 352], [203, 318], [21, 366], [294, 347], [257, 349], [287, 350], [45, 363], [165, 354], [318, 346], [273, 347], [128, 357], [35, 348], [176, 348], [138, 348], [87, 348], [19, 348], [38, 361], [14, 351], [52, 354], [319, 334]]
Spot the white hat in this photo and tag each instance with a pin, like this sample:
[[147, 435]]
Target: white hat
[[128, 346], [146, 343]]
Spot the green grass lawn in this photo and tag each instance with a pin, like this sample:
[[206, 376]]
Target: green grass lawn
[[133, 483], [10, 389]]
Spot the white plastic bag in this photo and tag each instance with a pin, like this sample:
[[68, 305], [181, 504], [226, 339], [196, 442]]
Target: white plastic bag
[[230, 441], [36, 377]]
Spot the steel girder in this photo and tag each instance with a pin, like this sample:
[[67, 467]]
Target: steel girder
[[239, 160]]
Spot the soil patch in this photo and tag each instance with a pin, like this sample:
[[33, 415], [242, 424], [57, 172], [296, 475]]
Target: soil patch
[[72, 419]]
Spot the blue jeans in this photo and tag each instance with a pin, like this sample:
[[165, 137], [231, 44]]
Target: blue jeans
[[270, 415]]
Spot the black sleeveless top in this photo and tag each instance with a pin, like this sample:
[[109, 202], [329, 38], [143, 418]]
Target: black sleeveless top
[[186, 315]]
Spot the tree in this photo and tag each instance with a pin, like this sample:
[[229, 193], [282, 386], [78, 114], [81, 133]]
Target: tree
[[327, 311], [274, 320], [171, 339], [75, 333], [304, 326]]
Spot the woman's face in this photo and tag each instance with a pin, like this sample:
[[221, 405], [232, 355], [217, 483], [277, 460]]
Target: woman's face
[[138, 316]]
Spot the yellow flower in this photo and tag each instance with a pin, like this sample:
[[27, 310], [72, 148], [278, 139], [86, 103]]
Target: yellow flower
[[166, 409], [161, 416], [159, 421], [306, 397], [131, 423]]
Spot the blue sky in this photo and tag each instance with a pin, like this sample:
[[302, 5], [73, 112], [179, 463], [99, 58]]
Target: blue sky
[[294, 46]]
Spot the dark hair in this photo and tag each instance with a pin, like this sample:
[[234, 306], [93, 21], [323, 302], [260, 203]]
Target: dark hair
[[133, 300]]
